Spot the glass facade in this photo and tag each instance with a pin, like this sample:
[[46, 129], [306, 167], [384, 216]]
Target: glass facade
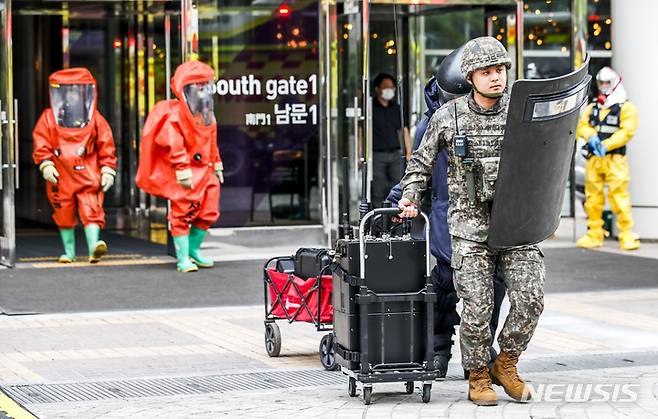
[[442, 34], [129, 48], [547, 36], [599, 40], [266, 59], [266, 55], [7, 140]]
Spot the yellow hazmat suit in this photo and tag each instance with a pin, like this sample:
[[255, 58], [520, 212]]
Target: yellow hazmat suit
[[615, 125]]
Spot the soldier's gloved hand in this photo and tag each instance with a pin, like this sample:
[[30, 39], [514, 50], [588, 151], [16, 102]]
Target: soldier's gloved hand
[[49, 172], [219, 171], [594, 141], [184, 178], [407, 208], [107, 177]]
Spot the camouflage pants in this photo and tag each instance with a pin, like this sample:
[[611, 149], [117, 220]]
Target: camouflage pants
[[523, 272]]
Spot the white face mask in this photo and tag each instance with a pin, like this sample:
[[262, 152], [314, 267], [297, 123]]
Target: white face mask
[[388, 94]]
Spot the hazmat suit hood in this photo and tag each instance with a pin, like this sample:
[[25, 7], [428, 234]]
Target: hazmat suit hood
[[615, 92], [193, 84], [72, 97]]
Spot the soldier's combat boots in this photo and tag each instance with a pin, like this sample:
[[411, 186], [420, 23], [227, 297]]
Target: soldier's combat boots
[[442, 354], [593, 238], [505, 374], [480, 390]]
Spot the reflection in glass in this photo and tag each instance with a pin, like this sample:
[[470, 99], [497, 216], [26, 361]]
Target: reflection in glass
[[556, 107]]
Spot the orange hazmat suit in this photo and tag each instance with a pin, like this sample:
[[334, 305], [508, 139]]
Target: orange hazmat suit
[[74, 137]]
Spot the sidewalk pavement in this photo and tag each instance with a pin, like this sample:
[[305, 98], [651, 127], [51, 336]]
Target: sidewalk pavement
[[597, 347], [211, 362]]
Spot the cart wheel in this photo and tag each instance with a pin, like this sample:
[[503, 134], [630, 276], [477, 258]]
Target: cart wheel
[[351, 387], [409, 387], [272, 339], [427, 393], [327, 357], [367, 395]]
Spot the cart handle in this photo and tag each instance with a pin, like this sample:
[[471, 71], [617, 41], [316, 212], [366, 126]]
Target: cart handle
[[390, 211], [386, 211]]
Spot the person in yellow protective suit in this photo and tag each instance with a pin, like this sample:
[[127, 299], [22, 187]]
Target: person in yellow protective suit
[[608, 125]]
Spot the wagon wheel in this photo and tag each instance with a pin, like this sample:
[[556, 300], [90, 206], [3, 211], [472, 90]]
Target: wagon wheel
[[427, 393], [326, 351], [409, 387], [272, 339], [367, 395], [351, 387]]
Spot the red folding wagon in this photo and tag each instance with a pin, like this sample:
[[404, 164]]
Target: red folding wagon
[[295, 292]]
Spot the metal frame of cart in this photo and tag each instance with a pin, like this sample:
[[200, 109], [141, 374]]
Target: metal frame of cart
[[389, 372], [273, 333]]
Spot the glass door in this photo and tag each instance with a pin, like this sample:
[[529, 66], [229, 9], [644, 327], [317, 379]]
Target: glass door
[[130, 49], [147, 51], [133, 71], [345, 113], [435, 31], [8, 179]]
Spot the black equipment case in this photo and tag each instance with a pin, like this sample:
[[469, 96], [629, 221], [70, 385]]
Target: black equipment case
[[384, 309], [310, 262]]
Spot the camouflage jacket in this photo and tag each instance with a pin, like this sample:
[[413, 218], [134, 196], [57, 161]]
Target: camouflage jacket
[[468, 216]]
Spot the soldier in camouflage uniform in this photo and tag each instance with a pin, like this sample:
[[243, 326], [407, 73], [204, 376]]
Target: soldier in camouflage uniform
[[472, 128]]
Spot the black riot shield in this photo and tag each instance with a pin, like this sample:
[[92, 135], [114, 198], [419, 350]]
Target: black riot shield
[[536, 157]]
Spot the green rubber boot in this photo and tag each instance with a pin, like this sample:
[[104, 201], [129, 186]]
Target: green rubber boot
[[182, 244], [97, 248], [196, 238], [68, 239]]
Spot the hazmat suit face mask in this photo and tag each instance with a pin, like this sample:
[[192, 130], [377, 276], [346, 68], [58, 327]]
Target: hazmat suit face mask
[[72, 104], [605, 87], [200, 102]]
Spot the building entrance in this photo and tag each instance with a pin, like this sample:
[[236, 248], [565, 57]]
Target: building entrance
[[131, 48]]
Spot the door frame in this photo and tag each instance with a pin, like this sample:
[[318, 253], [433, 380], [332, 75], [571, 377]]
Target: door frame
[[352, 120], [8, 146]]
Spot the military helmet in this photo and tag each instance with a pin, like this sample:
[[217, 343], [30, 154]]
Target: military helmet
[[449, 78], [483, 52]]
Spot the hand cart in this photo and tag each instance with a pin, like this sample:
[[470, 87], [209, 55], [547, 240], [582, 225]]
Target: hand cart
[[292, 298], [384, 315]]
